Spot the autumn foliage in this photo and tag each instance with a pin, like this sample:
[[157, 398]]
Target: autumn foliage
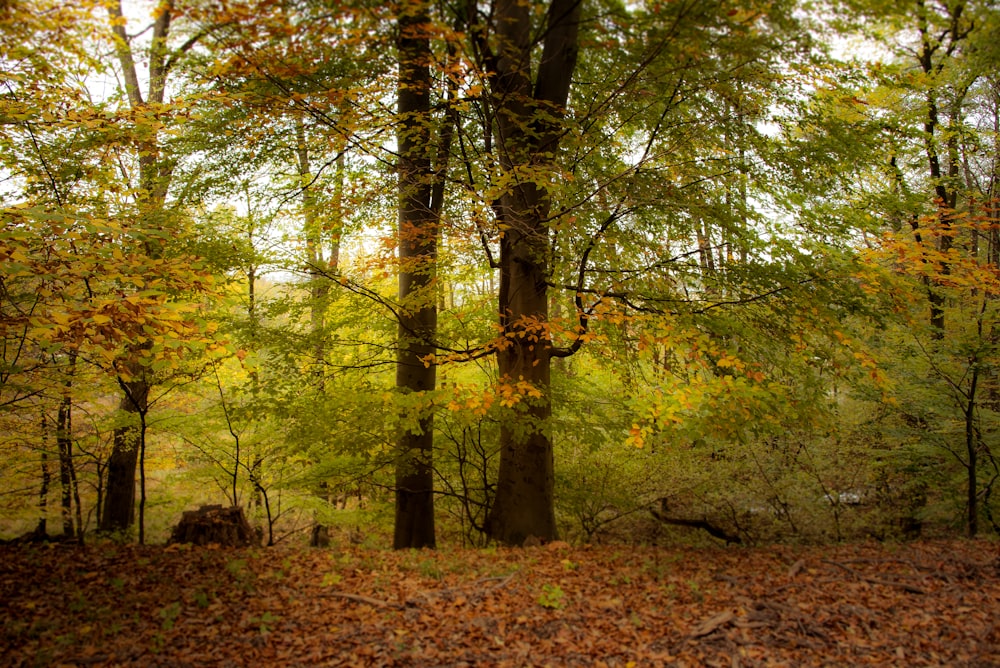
[[565, 275], [920, 604]]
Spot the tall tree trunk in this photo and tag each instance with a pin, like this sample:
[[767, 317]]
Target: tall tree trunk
[[418, 232], [154, 179], [336, 228], [527, 135], [319, 282], [945, 190]]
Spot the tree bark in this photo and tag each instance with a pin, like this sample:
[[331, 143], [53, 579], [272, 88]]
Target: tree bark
[[972, 452], [418, 232], [945, 191], [119, 497], [527, 132], [154, 178], [64, 444], [43, 492], [317, 267]]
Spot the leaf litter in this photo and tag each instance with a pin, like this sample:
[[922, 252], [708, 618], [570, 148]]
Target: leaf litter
[[927, 603]]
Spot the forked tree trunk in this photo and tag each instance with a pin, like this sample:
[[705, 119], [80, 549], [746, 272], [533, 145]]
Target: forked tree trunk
[[527, 132], [154, 178]]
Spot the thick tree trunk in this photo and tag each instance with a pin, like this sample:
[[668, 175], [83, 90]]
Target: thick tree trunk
[[119, 498], [525, 504], [527, 138], [418, 231]]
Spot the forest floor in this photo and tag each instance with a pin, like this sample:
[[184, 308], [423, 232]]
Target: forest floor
[[916, 604]]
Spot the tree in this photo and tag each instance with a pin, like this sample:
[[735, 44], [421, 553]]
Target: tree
[[528, 107], [597, 187], [919, 112], [151, 193], [419, 215]]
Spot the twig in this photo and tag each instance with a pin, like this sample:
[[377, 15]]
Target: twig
[[889, 583], [806, 624], [364, 599], [908, 562], [502, 581], [713, 623]]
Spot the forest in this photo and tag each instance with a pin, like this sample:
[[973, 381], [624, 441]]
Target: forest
[[428, 273]]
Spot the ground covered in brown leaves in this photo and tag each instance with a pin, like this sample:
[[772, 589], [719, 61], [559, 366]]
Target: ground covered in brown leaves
[[917, 604]]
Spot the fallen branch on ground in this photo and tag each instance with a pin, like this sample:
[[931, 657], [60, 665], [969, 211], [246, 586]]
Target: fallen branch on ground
[[888, 583]]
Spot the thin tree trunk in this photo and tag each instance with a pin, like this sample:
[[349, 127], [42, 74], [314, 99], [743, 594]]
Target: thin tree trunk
[[41, 530], [971, 448], [76, 501], [945, 192], [64, 444], [142, 478], [319, 282], [336, 230]]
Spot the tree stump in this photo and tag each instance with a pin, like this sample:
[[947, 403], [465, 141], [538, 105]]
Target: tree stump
[[320, 536], [227, 527]]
